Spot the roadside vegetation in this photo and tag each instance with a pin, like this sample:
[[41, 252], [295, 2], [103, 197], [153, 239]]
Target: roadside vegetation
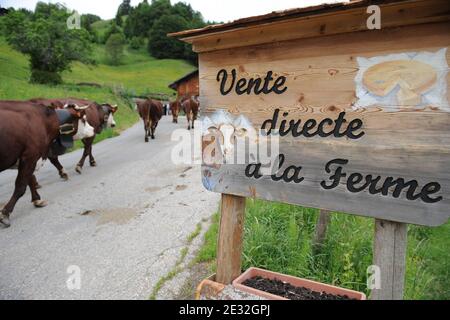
[[278, 237]]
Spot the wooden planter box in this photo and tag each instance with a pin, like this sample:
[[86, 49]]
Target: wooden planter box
[[297, 282]]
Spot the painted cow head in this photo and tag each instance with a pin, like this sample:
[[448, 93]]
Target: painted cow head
[[226, 131]]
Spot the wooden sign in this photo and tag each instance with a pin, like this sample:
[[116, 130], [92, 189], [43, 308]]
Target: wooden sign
[[362, 116]]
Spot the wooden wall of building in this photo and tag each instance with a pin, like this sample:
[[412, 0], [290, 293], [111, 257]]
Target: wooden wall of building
[[189, 87]]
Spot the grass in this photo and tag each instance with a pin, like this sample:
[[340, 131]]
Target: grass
[[178, 264], [138, 75], [278, 238]]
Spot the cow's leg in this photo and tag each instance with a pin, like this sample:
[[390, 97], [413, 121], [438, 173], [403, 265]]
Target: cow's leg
[[35, 197], [188, 115], [194, 117], [89, 143], [80, 164], [146, 126], [26, 169], [154, 126], [59, 167]]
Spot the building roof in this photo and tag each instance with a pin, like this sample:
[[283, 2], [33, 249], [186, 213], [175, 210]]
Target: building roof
[[184, 78], [311, 22], [280, 15]]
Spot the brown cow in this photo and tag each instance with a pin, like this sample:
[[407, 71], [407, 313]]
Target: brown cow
[[27, 131], [191, 107], [98, 116], [151, 112], [175, 107]]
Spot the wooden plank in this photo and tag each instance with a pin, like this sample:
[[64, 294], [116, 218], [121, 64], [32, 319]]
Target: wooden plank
[[321, 230], [399, 142], [229, 249], [348, 21], [390, 244]]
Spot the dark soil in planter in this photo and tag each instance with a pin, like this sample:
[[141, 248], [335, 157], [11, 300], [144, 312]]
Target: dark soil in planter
[[288, 291]]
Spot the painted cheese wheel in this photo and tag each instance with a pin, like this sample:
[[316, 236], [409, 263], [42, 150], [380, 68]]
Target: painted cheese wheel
[[413, 78]]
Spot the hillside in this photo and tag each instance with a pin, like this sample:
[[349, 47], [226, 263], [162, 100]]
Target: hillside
[[138, 75]]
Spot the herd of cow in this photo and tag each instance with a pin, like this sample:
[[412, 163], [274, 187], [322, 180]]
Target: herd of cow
[[151, 112], [38, 129]]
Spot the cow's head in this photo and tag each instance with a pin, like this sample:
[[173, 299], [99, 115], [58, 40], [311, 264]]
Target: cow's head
[[108, 114], [76, 124]]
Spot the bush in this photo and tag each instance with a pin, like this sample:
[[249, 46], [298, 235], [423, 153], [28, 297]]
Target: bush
[[114, 28], [115, 48], [137, 43], [45, 77]]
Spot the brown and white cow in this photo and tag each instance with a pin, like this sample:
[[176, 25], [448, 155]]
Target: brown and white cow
[[175, 107], [191, 107], [27, 132], [99, 116], [150, 112]]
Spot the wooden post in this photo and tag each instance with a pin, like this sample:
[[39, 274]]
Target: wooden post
[[390, 256], [229, 249], [321, 230]]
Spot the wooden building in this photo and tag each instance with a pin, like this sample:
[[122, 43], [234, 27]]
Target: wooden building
[[187, 85]]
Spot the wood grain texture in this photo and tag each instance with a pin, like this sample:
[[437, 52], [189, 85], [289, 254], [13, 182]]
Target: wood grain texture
[[231, 230], [390, 246], [320, 25], [320, 235], [402, 141]]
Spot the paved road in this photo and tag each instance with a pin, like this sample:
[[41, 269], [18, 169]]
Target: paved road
[[141, 209]]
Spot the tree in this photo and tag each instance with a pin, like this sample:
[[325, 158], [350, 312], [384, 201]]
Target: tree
[[86, 22], [137, 43], [151, 21], [114, 28], [115, 48], [194, 18], [45, 38], [124, 8], [160, 46], [118, 20], [142, 18], [88, 19], [138, 22]]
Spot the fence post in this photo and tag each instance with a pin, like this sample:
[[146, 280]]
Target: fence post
[[389, 255], [321, 230], [229, 249]]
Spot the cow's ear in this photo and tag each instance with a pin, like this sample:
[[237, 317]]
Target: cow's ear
[[114, 108], [79, 114]]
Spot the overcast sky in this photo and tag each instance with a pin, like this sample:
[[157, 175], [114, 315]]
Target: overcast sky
[[213, 10]]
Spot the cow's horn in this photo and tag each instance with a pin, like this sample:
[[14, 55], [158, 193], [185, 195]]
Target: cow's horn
[[81, 108]]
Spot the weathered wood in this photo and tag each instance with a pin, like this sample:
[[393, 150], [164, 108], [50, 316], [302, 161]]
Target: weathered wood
[[399, 142], [390, 244], [229, 250], [318, 25], [321, 230]]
